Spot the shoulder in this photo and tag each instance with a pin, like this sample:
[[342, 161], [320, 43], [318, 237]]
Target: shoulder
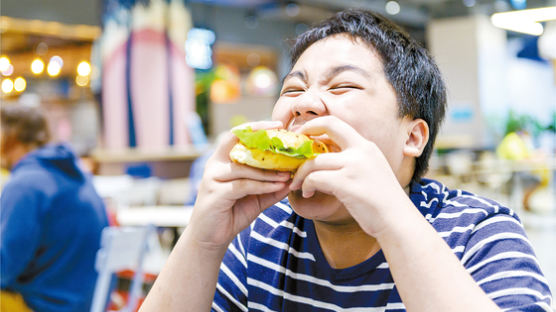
[[438, 203], [25, 184], [32, 177], [463, 219]]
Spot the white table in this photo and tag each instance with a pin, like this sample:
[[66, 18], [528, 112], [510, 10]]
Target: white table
[[162, 216]]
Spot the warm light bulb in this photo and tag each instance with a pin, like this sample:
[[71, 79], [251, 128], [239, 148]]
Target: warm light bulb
[[37, 66], [54, 66], [7, 85], [84, 68], [4, 63], [20, 84], [9, 71], [263, 81]]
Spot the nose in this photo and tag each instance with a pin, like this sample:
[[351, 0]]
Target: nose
[[308, 106]]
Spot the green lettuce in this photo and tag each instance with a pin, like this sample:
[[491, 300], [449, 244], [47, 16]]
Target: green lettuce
[[260, 140]]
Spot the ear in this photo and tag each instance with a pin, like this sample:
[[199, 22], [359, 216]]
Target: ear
[[417, 137]]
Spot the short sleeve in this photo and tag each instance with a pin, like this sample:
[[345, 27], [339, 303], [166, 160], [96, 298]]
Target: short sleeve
[[231, 289], [19, 231], [501, 259]]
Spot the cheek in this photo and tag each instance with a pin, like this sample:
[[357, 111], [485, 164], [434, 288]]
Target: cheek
[[376, 125], [373, 119]]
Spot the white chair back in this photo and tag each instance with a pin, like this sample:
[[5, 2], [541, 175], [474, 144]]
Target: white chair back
[[121, 248]]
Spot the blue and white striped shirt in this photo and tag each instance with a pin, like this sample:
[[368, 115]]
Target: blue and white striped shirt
[[276, 264]]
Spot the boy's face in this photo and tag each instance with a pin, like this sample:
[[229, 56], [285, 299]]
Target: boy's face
[[342, 77]]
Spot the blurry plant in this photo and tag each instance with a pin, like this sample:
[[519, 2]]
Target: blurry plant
[[552, 125], [527, 123], [203, 81]]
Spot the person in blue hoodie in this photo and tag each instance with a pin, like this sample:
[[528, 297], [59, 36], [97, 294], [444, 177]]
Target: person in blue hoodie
[[51, 219]]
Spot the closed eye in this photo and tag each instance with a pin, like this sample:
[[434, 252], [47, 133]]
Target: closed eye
[[343, 88], [292, 91]]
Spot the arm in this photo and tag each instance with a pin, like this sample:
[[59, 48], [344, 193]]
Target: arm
[[427, 274], [19, 231], [230, 197], [188, 278]]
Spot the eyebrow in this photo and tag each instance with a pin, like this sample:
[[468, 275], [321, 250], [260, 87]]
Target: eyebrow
[[330, 73], [299, 74], [340, 69]]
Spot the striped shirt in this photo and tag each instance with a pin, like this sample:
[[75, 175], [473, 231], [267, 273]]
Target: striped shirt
[[276, 264]]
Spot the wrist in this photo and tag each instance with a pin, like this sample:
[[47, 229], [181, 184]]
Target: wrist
[[190, 241], [402, 218]]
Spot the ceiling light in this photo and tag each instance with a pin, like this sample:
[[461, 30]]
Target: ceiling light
[[4, 63], [84, 68], [392, 7], [524, 21], [37, 66], [20, 84], [9, 71], [54, 66], [7, 85]]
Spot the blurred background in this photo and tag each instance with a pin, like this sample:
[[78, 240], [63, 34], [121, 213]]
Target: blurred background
[[141, 90]]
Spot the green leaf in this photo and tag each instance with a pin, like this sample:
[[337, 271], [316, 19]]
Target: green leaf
[[260, 140]]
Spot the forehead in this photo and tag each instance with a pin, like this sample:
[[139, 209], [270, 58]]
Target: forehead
[[339, 49]]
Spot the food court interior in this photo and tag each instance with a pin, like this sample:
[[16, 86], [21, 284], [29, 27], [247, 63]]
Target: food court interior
[[141, 90]]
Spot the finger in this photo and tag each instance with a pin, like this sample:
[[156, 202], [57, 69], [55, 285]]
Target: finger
[[225, 143], [328, 161], [322, 181], [265, 124], [240, 188], [267, 200], [228, 140], [233, 171], [338, 131]]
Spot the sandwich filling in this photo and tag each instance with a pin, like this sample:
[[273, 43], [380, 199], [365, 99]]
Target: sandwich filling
[[274, 149]]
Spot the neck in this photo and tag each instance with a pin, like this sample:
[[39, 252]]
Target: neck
[[16, 153], [333, 237]]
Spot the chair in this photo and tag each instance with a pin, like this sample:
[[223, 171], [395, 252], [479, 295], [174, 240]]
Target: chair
[[122, 248]]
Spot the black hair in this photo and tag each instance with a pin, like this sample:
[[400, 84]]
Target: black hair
[[409, 68], [28, 125]]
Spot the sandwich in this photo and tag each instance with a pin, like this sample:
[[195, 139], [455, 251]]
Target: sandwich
[[274, 149]]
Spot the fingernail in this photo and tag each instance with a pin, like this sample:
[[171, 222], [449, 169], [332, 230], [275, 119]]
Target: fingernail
[[307, 195]]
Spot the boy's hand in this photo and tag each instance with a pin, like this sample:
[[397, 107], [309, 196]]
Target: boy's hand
[[359, 176], [231, 195]]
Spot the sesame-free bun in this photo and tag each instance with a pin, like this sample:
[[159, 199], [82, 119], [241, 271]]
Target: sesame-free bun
[[265, 159]]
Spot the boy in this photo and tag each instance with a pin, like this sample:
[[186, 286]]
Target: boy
[[359, 230]]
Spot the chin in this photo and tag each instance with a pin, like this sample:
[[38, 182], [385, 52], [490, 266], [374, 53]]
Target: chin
[[320, 206]]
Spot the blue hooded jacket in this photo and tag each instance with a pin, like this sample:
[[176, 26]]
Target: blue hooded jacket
[[51, 223]]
